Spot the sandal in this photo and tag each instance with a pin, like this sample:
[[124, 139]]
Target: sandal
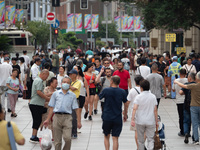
[[14, 115]]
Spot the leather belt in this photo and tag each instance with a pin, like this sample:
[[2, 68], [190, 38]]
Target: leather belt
[[62, 113]]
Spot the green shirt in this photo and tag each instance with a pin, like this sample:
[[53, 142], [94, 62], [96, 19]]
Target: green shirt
[[37, 86], [55, 59]]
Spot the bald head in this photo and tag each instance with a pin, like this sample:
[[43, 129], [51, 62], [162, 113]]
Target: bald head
[[44, 74]]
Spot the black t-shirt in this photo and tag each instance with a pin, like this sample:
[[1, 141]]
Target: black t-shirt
[[113, 103], [17, 67], [84, 61], [161, 68], [187, 97]]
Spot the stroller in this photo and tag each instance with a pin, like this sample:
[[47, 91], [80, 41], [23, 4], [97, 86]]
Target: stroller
[[161, 131]]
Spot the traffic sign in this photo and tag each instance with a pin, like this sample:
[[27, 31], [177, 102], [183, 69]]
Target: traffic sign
[[170, 37], [50, 19], [56, 24], [180, 50]]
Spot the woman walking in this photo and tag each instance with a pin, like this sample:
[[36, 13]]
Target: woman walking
[[13, 87], [90, 77], [60, 76]]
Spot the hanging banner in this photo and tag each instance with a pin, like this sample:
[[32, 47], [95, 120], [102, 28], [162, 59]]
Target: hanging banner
[[130, 24], [19, 15], [2, 14], [138, 24], [117, 21], [95, 22], [10, 15], [78, 22], [124, 22]]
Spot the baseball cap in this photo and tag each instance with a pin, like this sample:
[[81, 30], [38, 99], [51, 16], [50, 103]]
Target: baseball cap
[[73, 71], [174, 58]]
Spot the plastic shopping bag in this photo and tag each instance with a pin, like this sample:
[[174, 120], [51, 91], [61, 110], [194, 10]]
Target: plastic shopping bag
[[45, 141]]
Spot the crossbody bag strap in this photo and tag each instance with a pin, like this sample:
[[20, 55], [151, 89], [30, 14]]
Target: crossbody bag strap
[[137, 91], [11, 136]]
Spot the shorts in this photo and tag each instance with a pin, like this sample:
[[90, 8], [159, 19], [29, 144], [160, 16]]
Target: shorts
[[126, 92], [112, 127], [92, 91], [81, 101], [167, 81]]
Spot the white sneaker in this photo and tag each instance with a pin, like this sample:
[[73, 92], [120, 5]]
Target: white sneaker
[[196, 143]]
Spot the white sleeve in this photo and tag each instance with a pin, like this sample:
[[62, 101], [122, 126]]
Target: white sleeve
[[34, 72], [130, 95]]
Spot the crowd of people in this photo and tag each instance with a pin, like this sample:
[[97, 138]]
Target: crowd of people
[[60, 84]]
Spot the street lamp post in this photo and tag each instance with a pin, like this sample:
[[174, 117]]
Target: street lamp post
[[106, 4], [121, 5]]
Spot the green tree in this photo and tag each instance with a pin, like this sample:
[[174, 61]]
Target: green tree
[[171, 14], [40, 31], [5, 43], [68, 39]]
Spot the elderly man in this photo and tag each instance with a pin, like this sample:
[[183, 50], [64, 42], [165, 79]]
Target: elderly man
[[37, 103], [194, 105], [173, 70], [62, 104]]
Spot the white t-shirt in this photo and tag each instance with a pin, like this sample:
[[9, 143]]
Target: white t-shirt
[[124, 60], [190, 68], [179, 98], [59, 78], [144, 71], [146, 102], [26, 59], [82, 89], [103, 49], [132, 94], [5, 71]]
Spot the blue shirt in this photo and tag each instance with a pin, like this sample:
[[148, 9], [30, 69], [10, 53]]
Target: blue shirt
[[98, 69], [113, 103], [89, 52], [64, 103], [13, 84], [197, 64]]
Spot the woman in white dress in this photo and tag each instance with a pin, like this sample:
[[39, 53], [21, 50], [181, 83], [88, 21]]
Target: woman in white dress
[[23, 69]]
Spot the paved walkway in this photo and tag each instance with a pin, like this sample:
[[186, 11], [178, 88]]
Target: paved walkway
[[91, 137]]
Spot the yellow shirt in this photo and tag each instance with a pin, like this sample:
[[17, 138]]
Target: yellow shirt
[[76, 84], [4, 142]]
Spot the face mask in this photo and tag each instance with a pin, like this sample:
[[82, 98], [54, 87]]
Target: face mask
[[65, 86]]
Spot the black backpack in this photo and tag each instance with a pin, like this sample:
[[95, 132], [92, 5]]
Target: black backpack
[[70, 65], [139, 61]]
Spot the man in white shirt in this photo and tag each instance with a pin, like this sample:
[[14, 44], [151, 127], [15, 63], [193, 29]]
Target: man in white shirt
[[180, 99], [156, 82], [103, 49], [6, 71], [145, 115], [131, 97], [35, 69], [5, 54], [26, 58], [143, 70], [69, 49]]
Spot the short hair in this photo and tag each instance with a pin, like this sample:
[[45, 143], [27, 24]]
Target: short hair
[[51, 81], [24, 52], [15, 69], [192, 75], [189, 58], [44, 71], [145, 85], [121, 63], [143, 60], [154, 66], [79, 62], [115, 79], [183, 71], [47, 65], [198, 75], [14, 58], [98, 59], [107, 69], [159, 56], [66, 77], [81, 55], [62, 67], [22, 59], [71, 54], [138, 79]]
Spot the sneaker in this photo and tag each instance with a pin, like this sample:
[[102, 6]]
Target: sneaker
[[196, 143], [34, 140], [186, 139], [95, 111], [90, 118], [13, 115], [9, 110], [74, 136], [85, 115], [180, 134]]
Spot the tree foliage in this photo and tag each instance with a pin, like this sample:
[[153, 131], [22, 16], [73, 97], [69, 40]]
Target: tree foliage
[[171, 14], [40, 31], [5, 43], [68, 39]]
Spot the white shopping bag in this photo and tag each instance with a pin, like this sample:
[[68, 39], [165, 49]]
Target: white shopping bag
[[45, 140]]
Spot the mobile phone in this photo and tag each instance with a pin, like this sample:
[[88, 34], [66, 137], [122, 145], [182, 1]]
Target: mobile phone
[[176, 76]]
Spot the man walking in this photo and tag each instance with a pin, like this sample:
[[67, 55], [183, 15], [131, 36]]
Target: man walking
[[143, 70], [156, 82], [112, 113], [6, 71], [173, 70], [62, 103], [55, 62], [124, 75], [26, 58]]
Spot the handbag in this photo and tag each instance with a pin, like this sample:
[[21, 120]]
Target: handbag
[[25, 93], [157, 143], [11, 136]]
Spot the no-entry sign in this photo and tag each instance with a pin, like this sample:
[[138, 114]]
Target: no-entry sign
[[50, 19]]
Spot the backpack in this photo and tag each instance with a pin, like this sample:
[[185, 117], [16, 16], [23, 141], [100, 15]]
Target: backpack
[[126, 66], [70, 65], [99, 86], [138, 61]]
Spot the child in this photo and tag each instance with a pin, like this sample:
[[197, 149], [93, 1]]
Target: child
[[180, 99], [13, 87]]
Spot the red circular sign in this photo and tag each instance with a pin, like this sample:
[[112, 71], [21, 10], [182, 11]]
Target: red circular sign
[[50, 16]]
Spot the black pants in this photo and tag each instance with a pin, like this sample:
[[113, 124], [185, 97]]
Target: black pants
[[180, 114], [158, 101], [74, 122], [36, 112]]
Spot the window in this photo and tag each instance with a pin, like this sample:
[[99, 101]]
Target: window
[[20, 41]]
